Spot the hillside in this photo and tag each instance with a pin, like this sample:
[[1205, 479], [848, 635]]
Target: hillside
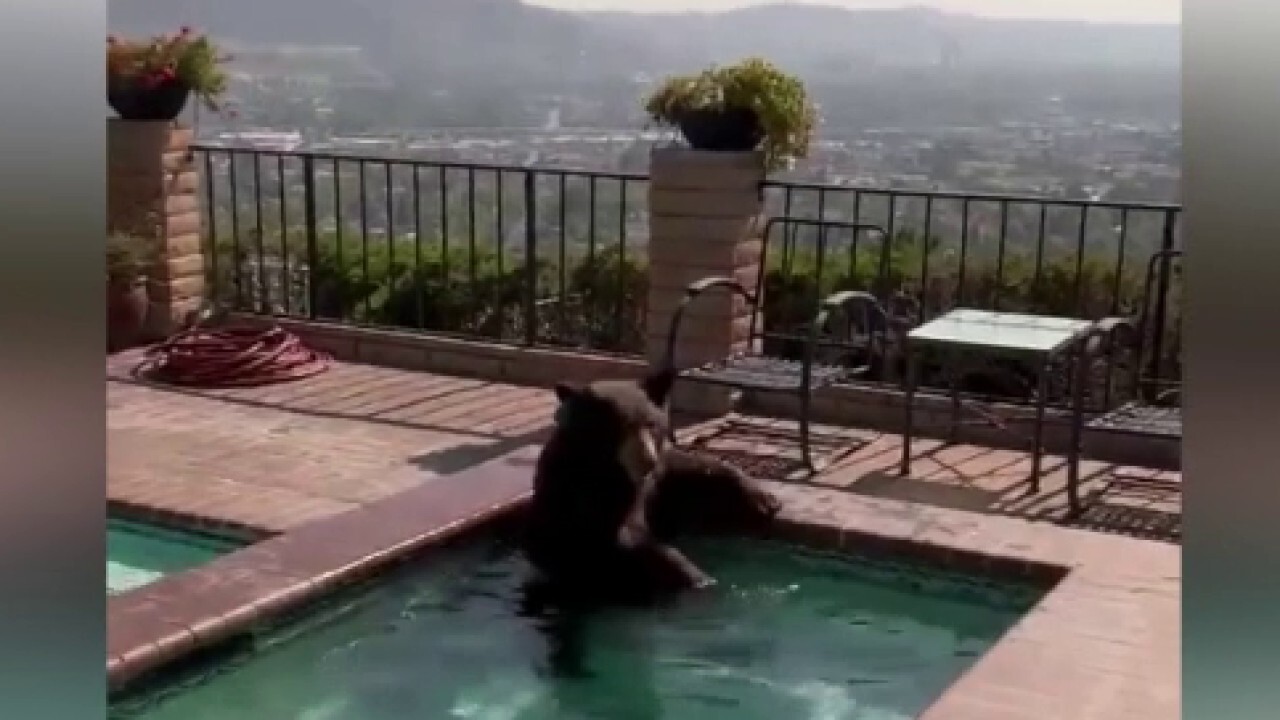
[[461, 41], [815, 36], [427, 40]]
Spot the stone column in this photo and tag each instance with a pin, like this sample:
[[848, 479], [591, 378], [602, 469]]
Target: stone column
[[706, 218], [153, 193]]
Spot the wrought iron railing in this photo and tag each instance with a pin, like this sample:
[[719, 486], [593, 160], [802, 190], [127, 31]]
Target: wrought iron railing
[[1053, 256], [507, 253], [548, 256]]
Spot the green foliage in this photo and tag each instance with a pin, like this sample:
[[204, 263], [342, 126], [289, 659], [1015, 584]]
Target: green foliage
[[458, 292], [610, 293], [793, 282], [779, 101], [465, 291], [128, 258], [601, 304]]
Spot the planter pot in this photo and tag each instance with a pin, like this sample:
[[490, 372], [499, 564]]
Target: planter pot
[[127, 304], [722, 130], [134, 101]]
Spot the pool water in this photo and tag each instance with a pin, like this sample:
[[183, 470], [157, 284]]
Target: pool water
[[141, 553], [786, 634]]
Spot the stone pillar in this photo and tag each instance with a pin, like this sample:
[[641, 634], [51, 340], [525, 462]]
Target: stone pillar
[[153, 193], [706, 218]]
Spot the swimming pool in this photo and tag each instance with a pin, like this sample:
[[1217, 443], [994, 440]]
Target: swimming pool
[[141, 553], [788, 633]]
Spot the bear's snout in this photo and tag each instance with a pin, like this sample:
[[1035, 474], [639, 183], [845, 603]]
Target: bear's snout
[[639, 453]]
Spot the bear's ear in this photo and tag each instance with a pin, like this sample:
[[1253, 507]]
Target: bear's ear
[[566, 392], [658, 385], [570, 395]]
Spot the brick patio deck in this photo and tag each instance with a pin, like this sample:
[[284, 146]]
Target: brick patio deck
[[273, 457]]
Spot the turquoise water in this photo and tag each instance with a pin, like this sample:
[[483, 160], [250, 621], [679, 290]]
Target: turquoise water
[[139, 553], [787, 635]]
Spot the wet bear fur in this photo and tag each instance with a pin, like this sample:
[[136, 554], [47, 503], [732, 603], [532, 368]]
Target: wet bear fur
[[606, 467]]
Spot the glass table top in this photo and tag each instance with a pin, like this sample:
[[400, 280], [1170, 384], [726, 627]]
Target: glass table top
[[1001, 331]]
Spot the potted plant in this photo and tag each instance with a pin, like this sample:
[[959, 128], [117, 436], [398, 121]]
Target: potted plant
[[128, 262], [737, 108], [152, 79]]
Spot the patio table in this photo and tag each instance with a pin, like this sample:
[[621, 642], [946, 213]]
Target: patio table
[[968, 332]]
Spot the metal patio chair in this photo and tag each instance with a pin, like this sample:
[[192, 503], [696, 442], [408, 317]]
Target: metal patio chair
[[1154, 408], [755, 370]]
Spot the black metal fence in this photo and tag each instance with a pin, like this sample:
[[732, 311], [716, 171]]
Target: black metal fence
[[1065, 257], [539, 255], [507, 253]]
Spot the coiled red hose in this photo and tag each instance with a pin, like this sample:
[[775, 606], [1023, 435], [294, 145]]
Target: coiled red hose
[[231, 357]]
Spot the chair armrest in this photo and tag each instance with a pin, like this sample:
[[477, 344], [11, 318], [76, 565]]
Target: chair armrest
[[698, 287], [1170, 395], [691, 293], [848, 301], [1107, 331]]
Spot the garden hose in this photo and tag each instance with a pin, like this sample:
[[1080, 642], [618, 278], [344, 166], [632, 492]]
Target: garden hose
[[222, 357]]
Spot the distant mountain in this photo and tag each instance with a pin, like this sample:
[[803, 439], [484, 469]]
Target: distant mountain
[[461, 41], [427, 40], [814, 37]]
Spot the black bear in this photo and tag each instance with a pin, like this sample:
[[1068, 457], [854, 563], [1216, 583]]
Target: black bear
[[609, 497]]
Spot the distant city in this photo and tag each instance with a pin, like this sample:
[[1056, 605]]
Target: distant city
[[910, 99], [1057, 156], [1043, 146]]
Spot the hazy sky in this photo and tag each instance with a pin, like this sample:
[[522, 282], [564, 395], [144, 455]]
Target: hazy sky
[[1104, 10]]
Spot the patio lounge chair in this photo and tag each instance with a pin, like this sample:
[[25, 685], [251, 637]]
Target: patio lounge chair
[[754, 369], [1155, 407]]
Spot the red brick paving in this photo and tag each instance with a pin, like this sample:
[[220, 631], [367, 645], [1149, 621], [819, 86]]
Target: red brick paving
[[277, 456], [961, 477]]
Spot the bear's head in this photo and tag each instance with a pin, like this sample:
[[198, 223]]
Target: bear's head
[[623, 421]]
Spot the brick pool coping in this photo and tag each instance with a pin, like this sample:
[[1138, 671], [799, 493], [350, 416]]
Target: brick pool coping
[[165, 517], [1103, 643]]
